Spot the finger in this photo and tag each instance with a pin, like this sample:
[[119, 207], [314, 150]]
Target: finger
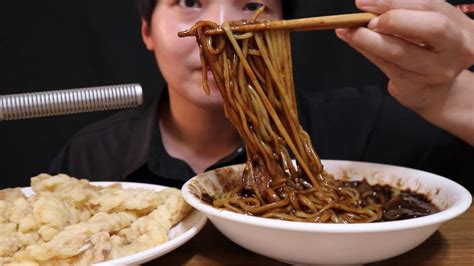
[[434, 29], [395, 50], [439, 6]]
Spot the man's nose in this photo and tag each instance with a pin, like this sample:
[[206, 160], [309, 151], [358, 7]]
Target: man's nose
[[223, 11]]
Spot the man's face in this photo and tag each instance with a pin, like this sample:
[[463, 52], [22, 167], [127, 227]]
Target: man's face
[[178, 58]]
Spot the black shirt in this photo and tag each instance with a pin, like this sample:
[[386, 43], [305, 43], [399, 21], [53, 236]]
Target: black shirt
[[363, 124]]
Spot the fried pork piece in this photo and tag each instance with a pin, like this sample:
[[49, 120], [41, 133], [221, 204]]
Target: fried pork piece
[[11, 194], [16, 219], [7, 198], [151, 230], [99, 251], [45, 182], [139, 200], [69, 242], [8, 261], [12, 241], [76, 192], [4, 209], [99, 248], [22, 214], [71, 222], [52, 214], [9, 244]]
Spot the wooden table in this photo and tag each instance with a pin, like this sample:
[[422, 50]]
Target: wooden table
[[452, 244]]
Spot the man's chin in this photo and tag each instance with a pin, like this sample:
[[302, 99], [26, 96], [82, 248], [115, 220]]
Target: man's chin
[[212, 101]]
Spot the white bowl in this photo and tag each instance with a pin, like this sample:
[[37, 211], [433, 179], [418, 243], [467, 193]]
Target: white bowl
[[311, 243]]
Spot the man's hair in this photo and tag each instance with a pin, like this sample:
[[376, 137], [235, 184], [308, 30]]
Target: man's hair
[[146, 7]]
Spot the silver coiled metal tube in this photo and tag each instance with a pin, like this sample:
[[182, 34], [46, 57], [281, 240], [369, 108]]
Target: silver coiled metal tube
[[62, 102]]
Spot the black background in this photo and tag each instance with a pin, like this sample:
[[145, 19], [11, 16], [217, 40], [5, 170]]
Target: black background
[[57, 44]]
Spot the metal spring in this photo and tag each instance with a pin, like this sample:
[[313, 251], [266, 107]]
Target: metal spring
[[61, 102]]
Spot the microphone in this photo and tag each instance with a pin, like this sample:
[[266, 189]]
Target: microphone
[[62, 102]]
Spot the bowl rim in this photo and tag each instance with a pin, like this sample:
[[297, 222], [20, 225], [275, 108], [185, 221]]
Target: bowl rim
[[460, 205]]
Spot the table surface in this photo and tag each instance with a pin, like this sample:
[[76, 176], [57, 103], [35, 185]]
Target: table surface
[[452, 244]]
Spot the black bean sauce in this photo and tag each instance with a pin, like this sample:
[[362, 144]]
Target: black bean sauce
[[396, 204]]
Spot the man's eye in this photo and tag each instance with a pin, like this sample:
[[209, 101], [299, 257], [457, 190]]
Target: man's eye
[[252, 6], [189, 3]]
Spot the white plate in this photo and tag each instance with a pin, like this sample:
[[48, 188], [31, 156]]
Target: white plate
[[178, 235]]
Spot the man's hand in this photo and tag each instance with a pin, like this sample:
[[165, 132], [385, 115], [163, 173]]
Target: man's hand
[[425, 47]]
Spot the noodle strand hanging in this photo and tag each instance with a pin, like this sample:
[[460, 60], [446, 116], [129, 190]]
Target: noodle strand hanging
[[253, 73]]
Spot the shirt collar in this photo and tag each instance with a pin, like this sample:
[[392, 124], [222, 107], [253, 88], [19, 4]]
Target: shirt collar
[[160, 163]]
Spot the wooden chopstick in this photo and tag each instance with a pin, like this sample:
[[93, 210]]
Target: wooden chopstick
[[302, 24], [306, 24]]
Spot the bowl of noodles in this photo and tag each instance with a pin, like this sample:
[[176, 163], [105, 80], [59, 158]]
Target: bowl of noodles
[[334, 241], [284, 202]]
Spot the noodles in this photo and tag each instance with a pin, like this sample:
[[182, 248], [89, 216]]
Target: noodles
[[253, 73]]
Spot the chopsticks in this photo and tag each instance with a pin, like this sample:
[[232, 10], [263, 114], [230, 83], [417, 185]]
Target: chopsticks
[[307, 24], [302, 24]]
